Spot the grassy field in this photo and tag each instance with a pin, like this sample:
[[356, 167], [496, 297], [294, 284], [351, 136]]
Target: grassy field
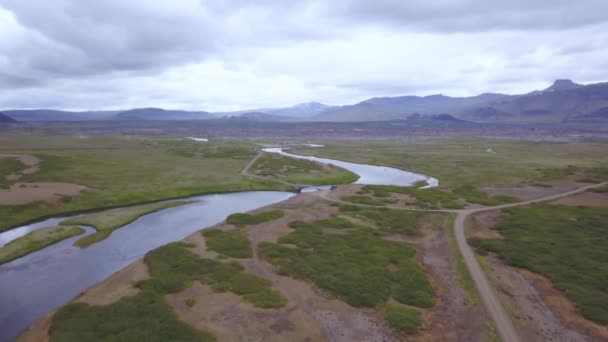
[[106, 222], [566, 244], [464, 161], [126, 170], [402, 319], [300, 171], [241, 219], [8, 166], [359, 267], [35, 241], [385, 220], [147, 316], [233, 244]]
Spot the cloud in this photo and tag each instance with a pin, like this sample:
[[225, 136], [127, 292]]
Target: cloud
[[236, 54]]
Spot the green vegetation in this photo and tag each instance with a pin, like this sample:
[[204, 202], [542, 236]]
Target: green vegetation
[[359, 267], [301, 171], [233, 244], [361, 199], [108, 221], [35, 241], [173, 268], [403, 319], [146, 316], [464, 161], [190, 302], [128, 170], [143, 317], [566, 244], [240, 219], [434, 198], [386, 220], [8, 166]]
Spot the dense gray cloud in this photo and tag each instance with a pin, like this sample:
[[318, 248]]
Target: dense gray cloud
[[223, 55]]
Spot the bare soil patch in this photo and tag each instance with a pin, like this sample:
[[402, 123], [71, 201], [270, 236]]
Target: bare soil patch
[[28, 160], [587, 198], [50, 192], [117, 286], [453, 318], [541, 312], [482, 224]]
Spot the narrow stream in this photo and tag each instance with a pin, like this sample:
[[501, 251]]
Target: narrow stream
[[45, 280]]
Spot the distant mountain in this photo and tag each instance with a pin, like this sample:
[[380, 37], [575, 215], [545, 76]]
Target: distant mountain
[[563, 101], [394, 108], [555, 104], [5, 119], [58, 115], [259, 116], [563, 85], [162, 114], [301, 111]]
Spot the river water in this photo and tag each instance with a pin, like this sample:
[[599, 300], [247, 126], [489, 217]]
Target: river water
[[368, 174], [45, 280]]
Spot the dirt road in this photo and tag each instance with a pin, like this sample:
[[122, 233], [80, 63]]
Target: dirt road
[[486, 291]]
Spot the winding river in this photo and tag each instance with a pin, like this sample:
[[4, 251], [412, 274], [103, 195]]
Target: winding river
[[44, 280]]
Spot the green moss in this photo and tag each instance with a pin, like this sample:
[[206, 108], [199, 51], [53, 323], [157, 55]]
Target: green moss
[[143, 317], [403, 319], [190, 302], [173, 268], [240, 219], [388, 220], [35, 241], [566, 244], [354, 266], [361, 199], [233, 244]]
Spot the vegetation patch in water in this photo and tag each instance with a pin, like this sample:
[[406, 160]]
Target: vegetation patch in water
[[106, 222], [301, 171], [35, 241]]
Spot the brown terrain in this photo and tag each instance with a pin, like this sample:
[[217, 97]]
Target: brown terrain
[[311, 314], [28, 192]]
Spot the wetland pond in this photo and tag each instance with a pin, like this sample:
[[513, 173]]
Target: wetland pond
[[43, 281]]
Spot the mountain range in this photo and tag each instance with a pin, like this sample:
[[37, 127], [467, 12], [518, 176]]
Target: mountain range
[[563, 101]]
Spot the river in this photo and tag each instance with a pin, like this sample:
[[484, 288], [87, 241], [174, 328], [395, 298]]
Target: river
[[45, 280]]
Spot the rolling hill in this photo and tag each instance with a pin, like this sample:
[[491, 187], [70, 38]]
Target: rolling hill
[[5, 119], [138, 114]]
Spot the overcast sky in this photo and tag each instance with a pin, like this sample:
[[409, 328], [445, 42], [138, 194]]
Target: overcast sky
[[235, 54]]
